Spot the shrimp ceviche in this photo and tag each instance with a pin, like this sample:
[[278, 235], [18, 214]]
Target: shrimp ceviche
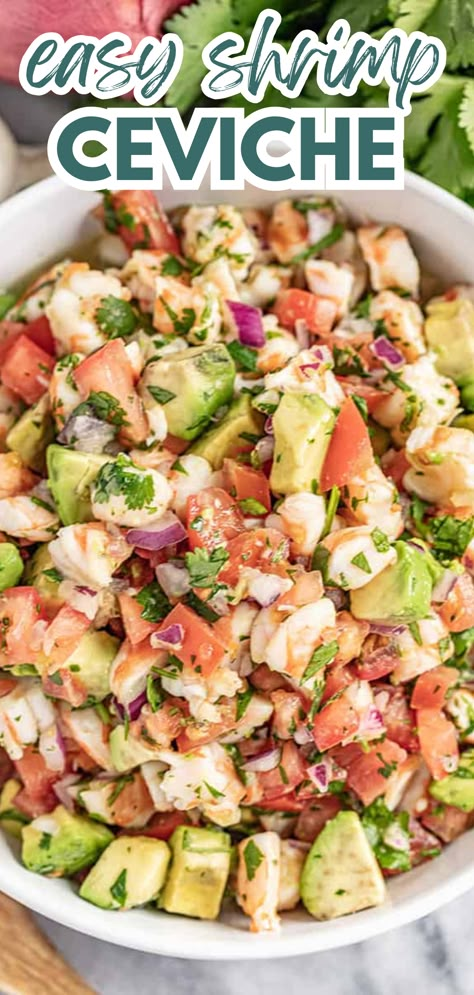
[[236, 562]]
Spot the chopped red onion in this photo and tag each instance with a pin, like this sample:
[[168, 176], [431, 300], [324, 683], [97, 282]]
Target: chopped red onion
[[167, 531], [444, 586], [319, 774], [310, 367], [337, 596], [268, 426], [266, 588], [62, 793], [302, 736], [371, 723], [384, 350], [380, 629], [171, 635], [248, 323], [51, 747], [417, 544], [264, 448], [174, 579], [302, 334], [133, 709], [264, 761], [86, 433]]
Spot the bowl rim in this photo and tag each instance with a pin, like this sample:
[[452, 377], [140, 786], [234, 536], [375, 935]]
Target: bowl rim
[[35, 893]]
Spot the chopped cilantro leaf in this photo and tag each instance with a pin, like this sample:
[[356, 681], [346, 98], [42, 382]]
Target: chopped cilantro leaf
[[361, 561], [118, 889], [204, 567], [161, 395], [122, 477], [115, 317], [243, 355], [155, 604], [253, 857], [320, 658]]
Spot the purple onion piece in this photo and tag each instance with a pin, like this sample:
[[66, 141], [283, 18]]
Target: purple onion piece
[[319, 775], [133, 709], [86, 433], [381, 629], [166, 532], [264, 761], [268, 426], [248, 323], [302, 334], [171, 635], [384, 350]]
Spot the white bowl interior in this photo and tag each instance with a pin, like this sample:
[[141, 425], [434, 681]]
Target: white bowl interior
[[40, 225]]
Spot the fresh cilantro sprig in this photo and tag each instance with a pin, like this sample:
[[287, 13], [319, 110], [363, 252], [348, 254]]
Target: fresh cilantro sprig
[[204, 567], [122, 477]]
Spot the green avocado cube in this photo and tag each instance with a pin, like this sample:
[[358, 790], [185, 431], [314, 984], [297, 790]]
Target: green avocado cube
[[449, 329], [11, 818], [401, 594], [241, 424], [70, 475], [341, 874], [130, 872], [40, 572], [302, 426], [458, 788], [32, 433], [11, 565], [127, 753], [191, 385], [199, 871], [61, 844]]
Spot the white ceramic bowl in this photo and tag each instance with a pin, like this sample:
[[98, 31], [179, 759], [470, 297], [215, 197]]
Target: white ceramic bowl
[[41, 224]]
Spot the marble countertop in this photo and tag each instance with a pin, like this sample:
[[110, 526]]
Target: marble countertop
[[434, 955]]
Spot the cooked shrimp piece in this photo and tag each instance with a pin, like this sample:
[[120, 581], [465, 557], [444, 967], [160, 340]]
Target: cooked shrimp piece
[[193, 475], [141, 270], [219, 274], [442, 466], [85, 727], [206, 779], [280, 346], [302, 517], [293, 854], [25, 713], [350, 635], [152, 772], [63, 393], [354, 559], [371, 499], [219, 231], [425, 399], [72, 310], [258, 880], [126, 803], [403, 320], [291, 231], [390, 258], [190, 311], [432, 647], [310, 372], [287, 646], [33, 301], [10, 409], [346, 250], [25, 518], [327, 279], [130, 669], [113, 494], [263, 284], [15, 477], [158, 728], [88, 554]]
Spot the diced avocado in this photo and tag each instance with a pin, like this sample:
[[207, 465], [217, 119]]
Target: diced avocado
[[70, 474], [464, 421], [91, 662], [192, 385], [198, 874], [241, 424], [126, 752], [11, 819], [11, 565], [32, 433], [449, 329], [130, 872], [401, 594], [62, 844], [41, 573], [341, 874], [457, 789], [302, 425]]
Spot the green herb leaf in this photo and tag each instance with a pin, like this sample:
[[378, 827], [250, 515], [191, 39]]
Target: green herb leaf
[[115, 317], [380, 540], [243, 700], [250, 506], [155, 604], [332, 236], [118, 889], [104, 406], [122, 477], [253, 857], [451, 536], [172, 266], [161, 395], [204, 567], [361, 561], [321, 657], [201, 608], [243, 355]]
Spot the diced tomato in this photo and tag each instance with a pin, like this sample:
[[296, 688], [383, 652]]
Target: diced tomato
[[377, 664], [336, 721], [338, 677], [245, 484], [293, 305], [457, 611], [369, 773], [213, 518], [136, 627], [140, 221], [132, 802], [39, 331], [350, 449], [438, 742], [267, 680], [175, 445], [314, 816], [7, 684], [286, 776], [20, 609], [445, 821], [371, 395], [27, 370], [423, 845], [262, 549], [63, 634], [110, 371], [290, 802], [6, 766], [399, 719], [432, 687], [200, 650], [396, 467], [163, 824], [37, 780]]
